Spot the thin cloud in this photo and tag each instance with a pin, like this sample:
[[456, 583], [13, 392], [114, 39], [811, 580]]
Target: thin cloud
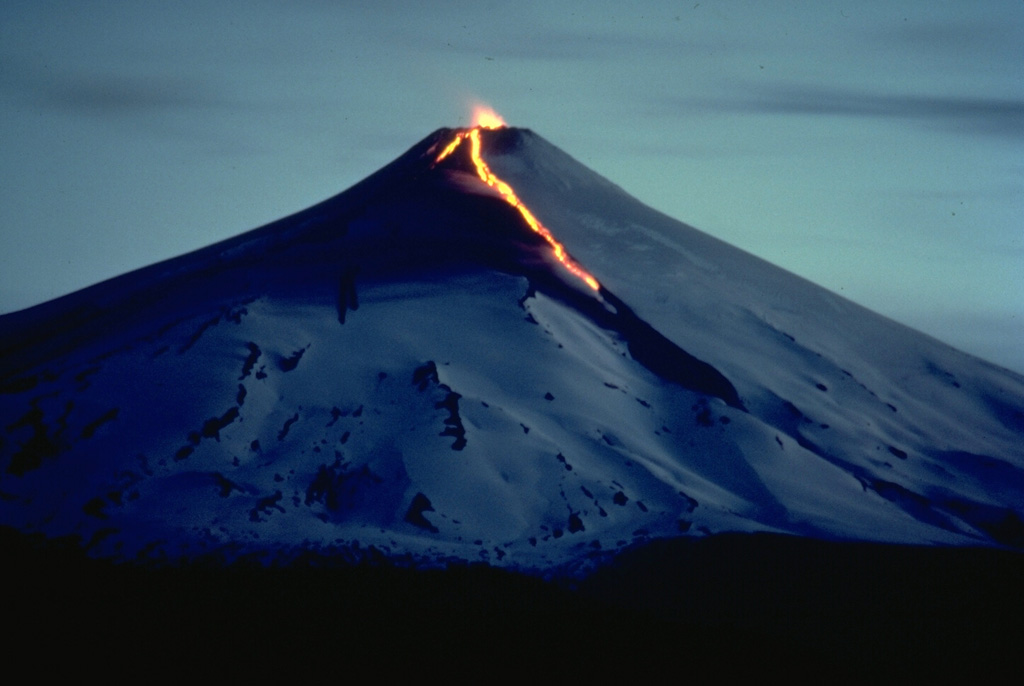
[[988, 115], [121, 94], [105, 92], [978, 37]]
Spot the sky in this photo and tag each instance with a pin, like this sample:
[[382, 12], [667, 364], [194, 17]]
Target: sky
[[874, 147]]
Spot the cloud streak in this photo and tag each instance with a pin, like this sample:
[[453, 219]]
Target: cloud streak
[[106, 91], [968, 114]]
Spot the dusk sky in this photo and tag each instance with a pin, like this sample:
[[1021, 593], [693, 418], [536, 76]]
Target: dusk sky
[[873, 147]]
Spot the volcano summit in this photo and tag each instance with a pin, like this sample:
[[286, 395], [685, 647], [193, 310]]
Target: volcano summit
[[412, 366]]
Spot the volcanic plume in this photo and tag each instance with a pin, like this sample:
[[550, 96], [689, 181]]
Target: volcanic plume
[[485, 351]]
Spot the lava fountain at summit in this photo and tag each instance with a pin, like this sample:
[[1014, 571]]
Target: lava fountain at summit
[[485, 118]]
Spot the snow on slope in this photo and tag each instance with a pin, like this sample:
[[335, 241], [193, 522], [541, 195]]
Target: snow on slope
[[854, 387], [406, 366]]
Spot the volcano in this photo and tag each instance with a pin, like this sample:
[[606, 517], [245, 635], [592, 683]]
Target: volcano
[[487, 362], [410, 368]]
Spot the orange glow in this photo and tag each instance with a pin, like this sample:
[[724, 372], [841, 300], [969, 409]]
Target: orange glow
[[450, 148], [509, 195], [486, 118]]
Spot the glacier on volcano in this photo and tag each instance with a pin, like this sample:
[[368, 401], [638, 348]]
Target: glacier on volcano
[[406, 367]]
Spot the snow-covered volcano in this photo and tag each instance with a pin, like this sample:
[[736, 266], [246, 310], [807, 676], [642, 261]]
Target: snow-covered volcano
[[408, 366]]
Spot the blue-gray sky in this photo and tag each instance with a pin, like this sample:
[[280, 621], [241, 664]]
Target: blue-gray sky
[[874, 147]]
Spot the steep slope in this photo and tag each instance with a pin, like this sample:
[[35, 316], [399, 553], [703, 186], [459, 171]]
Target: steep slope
[[409, 366]]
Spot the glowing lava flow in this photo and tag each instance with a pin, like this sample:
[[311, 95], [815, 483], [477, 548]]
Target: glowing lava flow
[[486, 119]]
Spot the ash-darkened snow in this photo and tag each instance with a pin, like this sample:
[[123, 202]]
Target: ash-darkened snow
[[409, 367]]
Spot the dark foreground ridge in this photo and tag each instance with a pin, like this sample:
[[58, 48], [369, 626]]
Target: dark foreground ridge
[[723, 605]]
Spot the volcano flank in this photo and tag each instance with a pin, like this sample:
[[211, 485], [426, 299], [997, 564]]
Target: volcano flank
[[486, 352]]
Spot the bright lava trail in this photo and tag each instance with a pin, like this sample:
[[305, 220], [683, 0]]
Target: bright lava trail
[[487, 119]]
